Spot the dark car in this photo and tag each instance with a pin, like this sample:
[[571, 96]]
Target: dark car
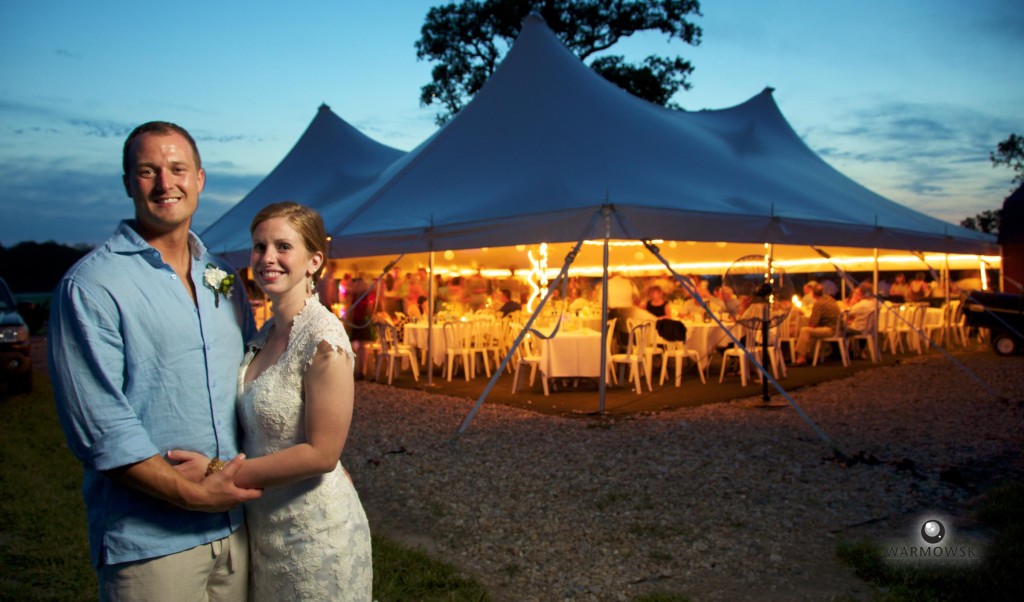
[[15, 345], [1002, 314]]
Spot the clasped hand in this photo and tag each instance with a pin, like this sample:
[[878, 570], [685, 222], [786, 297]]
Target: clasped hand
[[220, 486]]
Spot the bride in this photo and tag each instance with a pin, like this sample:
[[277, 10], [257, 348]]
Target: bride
[[308, 535]]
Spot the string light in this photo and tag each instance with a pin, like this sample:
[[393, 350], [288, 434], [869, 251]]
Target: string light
[[537, 278]]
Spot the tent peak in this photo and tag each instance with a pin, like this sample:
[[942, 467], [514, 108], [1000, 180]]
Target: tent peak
[[324, 107]]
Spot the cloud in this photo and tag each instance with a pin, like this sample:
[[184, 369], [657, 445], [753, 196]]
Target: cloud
[[50, 201], [102, 128], [929, 156]]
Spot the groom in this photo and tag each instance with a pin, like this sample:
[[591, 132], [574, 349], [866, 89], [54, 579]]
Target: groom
[[146, 337]]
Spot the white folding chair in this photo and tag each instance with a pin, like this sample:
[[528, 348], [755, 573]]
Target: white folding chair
[[838, 337], [528, 355], [677, 351], [391, 349], [870, 337], [636, 355], [913, 329], [752, 336], [890, 324], [940, 327], [481, 342], [457, 348]]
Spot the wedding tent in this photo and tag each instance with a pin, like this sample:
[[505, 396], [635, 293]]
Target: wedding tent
[[330, 159], [547, 143]]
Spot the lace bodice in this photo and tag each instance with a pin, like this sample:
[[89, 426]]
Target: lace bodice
[[308, 540], [273, 411]]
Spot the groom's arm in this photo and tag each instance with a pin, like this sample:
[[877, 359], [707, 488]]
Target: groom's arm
[[156, 477]]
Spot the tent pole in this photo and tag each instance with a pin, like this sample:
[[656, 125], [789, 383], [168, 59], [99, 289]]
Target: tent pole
[[602, 382], [430, 317], [878, 309], [947, 332]]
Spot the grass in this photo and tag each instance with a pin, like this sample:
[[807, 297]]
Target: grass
[[1000, 576], [44, 549]]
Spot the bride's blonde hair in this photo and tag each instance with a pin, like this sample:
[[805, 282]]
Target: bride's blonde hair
[[307, 222]]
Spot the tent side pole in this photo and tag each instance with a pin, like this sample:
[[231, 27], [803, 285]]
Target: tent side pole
[[430, 317], [602, 381], [878, 310]]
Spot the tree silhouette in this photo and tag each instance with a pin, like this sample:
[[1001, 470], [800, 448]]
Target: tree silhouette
[[1010, 152], [32, 267], [986, 221], [469, 39]]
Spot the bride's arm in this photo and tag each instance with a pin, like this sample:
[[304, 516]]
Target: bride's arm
[[329, 387]]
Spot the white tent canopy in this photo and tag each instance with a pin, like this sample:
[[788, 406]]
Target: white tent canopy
[[330, 159], [547, 142]]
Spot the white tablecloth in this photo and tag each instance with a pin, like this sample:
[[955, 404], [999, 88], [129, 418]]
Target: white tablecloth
[[704, 337], [416, 335], [576, 353]]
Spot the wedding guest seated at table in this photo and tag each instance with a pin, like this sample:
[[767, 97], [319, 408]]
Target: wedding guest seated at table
[[860, 312], [820, 325], [417, 310], [692, 309], [513, 284], [883, 288], [656, 303], [807, 301], [666, 284], [667, 326], [899, 290], [507, 304], [937, 294], [830, 286], [855, 295], [919, 289], [577, 302], [725, 301]]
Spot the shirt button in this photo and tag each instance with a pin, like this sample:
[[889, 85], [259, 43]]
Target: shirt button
[[174, 276]]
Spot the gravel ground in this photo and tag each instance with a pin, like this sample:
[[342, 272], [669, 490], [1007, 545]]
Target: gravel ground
[[720, 502]]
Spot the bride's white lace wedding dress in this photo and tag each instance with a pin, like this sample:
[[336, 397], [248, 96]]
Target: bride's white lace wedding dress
[[308, 540]]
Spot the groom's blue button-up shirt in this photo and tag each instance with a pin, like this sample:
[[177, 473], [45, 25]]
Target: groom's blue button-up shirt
[[139, 369]]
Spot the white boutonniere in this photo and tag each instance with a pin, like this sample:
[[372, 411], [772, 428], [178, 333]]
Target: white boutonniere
[[218, 281]]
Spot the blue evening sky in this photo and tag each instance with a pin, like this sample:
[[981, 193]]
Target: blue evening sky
[[906, 97]]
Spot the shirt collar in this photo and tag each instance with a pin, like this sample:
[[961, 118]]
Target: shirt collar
[[126, 240]]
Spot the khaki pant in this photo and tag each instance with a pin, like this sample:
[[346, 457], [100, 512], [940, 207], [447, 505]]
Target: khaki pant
[[213, 572], [803, 342]]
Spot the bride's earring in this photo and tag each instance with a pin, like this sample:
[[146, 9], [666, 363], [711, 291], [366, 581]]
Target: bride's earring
[[309, 285]]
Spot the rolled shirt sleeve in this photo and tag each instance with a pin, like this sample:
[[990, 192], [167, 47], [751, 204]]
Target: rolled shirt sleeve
[[88, 362], [139, 368]]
